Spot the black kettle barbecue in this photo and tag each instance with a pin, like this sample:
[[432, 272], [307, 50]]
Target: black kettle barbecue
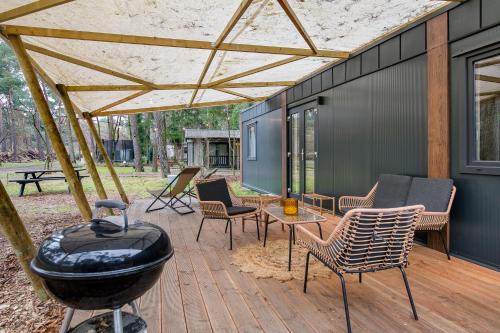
[[104, 264]]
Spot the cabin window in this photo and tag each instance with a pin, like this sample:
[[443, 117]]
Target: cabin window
[[252, 141], [484, 111]]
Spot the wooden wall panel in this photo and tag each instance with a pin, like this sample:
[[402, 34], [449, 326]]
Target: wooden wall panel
[[284, 164], [438, 105]]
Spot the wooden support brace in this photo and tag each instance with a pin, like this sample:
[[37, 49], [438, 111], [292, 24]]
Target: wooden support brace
[[106, 158], [89, 161], [14, 230], [51, 128]]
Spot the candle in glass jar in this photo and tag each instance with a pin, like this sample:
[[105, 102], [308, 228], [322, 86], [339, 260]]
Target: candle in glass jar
[[290, 206]]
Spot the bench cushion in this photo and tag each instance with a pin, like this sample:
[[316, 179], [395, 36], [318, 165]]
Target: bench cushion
[[392, 191], [236, 210], [215, 191], [434, 194]]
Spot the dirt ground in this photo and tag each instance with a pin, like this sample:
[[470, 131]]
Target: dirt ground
[[20, 309]]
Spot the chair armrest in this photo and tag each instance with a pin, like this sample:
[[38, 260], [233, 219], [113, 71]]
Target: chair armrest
[[252, 201], [213, 209], [311, 236], [355, 202]]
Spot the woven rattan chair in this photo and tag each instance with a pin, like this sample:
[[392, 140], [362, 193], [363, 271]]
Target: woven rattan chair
[[175, 191], [218, 202], [365, 240], [432, 220]]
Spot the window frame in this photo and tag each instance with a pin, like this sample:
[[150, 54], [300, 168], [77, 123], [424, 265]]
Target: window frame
[[249, 126], [469, 163]]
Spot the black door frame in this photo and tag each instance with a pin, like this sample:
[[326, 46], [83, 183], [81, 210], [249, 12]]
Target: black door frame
[[300, 109]]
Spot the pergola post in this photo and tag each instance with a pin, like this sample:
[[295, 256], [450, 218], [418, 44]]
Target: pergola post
[[15, 232], [89, 161], [106, 158], [51, 128]]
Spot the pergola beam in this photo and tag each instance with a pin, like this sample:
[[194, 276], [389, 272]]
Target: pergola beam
[[168, 42], [255, 70], [234, 93], [105, 156], [50, 125], [296, 22], [172, 107], [86, 64], [134, 87], [232, 22], [227, 30], [122, 100], [488, 78], [30, 8]]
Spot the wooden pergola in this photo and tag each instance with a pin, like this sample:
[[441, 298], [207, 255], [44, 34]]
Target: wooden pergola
[[34, 32]]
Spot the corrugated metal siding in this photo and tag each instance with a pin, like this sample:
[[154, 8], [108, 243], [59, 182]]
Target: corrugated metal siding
[[475, 224], [264, 173]]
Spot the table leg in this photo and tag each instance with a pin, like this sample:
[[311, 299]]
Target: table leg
[[320, 231], [290, 247], [21, 190]]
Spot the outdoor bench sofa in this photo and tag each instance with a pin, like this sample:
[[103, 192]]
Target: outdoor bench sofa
[[393, 191]]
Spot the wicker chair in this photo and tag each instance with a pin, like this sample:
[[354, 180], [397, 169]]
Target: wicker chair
[[431, 221], [218, 202], [365, 240]]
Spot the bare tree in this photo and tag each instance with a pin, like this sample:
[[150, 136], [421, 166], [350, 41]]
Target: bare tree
[[134, 129], [152, 134], [161, 143]]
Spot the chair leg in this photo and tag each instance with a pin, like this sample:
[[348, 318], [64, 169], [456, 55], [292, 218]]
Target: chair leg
[[266, 221], [227, 224], [257, 224], [242, 224], [444, 244], [306, 271], [346, 304], [360, 278], [290, 236], [409, 293], [199, 231], [230, 234]]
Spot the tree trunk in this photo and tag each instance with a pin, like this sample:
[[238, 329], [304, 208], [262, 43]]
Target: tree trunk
[[13, 127], [161, 143], [110, 137], [134, 129], [39, 144], [3, 135], [154, 159]]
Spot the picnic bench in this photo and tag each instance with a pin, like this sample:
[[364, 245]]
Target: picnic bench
[[37, 176]]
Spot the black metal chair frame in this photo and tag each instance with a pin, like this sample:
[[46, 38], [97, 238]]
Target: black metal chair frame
[[344, 289], [230, 225], [175, 199]]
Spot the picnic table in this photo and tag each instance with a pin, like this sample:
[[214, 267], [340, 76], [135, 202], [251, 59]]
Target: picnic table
[[38, 175]]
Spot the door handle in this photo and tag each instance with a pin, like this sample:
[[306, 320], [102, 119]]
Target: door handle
[[315, 154], [302, 154]]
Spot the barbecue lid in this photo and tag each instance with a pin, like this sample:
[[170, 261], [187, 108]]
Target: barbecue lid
[[102, 249]]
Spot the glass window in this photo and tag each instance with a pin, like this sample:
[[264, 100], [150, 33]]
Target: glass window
[[252, 141], [486, 123]]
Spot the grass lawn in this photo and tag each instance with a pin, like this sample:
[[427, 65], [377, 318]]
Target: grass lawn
[[135, 184]]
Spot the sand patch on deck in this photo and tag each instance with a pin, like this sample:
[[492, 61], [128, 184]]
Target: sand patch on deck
[[272, 262]]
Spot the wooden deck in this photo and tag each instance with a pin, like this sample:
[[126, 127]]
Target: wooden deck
[[200, 291]]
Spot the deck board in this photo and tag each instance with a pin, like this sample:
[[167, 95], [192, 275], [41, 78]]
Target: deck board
[[201, 291]]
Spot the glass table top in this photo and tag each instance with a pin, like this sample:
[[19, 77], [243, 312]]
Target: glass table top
[[303, 216]]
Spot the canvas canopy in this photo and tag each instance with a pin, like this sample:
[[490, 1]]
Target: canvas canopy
[[123, 57]]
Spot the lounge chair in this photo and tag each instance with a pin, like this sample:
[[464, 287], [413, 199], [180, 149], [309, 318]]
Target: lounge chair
[[175, 191], [436, 195], [217, 203], [365, 240]]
